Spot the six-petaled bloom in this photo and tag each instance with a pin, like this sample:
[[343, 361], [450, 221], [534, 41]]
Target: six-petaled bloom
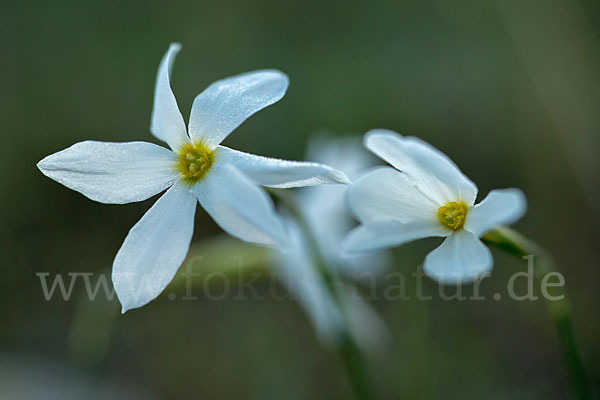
[[425, 194], [197, 169]]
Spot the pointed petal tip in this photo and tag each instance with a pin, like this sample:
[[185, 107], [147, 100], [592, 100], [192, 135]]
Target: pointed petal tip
[[166, 122], [124, 307], [40, 165], [281, 242], [128, 305], [332, 176], [45, 163], [342, 178]]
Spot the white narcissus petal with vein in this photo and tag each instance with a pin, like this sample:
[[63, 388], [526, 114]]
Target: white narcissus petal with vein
[[282, 174], [500, 207], [196, 169], [430, 170], [387, 234], [225, 104], [113, 173], [240, 207], [155, 248], [167, 123], [384, 194], [462, 257], [425, 194]]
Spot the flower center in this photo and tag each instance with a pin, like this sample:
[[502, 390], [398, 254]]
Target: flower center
[[195, 159], [453, 215]]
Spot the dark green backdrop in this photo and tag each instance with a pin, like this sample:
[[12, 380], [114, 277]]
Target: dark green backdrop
[[507, 88]]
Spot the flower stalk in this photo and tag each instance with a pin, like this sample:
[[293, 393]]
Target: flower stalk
[[350, 353], [559, 310]]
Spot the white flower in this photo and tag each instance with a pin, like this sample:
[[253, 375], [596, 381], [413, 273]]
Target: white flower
[[327, 220], [425, 194], [197, 169], [325, 207]]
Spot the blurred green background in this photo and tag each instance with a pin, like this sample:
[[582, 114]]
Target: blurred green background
[[509, 89]]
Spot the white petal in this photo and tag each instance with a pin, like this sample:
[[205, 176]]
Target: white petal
[[384, 194], [325, 208], [388, 234], [114, 173], [462, 258], [277, 173], [428, 168], [155, 248], [167, 124], [369, 330], [225, 104], [296, 270], [239, 206], [500, 207]]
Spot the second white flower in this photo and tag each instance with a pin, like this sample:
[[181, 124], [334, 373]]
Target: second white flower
[[424, 195]]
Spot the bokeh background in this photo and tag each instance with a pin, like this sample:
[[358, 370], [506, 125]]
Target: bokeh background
[[509, 89]]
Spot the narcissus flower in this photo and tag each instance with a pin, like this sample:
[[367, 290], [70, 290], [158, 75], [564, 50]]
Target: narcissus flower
[[327, 219], [197, 169], [425, 194]]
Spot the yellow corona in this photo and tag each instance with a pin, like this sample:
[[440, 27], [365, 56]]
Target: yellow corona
[[194, 161], [453, 215]]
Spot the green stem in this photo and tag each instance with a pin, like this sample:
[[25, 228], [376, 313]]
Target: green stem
[[559, 310], [355, 367], [347, 346]]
